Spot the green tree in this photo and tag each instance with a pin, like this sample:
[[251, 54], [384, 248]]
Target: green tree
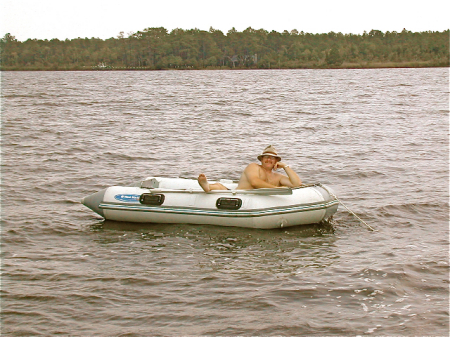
[[333, 57]]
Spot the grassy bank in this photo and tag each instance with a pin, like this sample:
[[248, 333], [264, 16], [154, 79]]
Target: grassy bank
[[344, 65]]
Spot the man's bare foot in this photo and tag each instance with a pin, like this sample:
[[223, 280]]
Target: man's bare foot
[[203, 182]]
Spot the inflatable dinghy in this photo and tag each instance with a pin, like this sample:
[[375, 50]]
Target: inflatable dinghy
[[178, 200]]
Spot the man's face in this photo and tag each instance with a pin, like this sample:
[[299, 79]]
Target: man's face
[[268, 162]]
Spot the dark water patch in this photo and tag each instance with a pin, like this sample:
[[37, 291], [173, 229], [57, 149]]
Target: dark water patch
[[425, 210], [325, 228]]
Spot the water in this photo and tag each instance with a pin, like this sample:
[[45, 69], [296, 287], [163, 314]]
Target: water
[[379, 137]]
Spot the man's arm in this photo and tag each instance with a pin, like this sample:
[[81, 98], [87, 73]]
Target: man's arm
[[252, 174], [292, 180]]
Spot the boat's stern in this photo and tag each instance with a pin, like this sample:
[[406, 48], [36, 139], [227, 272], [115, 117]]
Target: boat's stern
[[330, 199]]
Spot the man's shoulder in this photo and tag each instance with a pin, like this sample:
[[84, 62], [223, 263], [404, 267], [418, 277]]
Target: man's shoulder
[[252, 166]]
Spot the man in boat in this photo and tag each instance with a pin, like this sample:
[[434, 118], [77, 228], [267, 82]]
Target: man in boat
[[260, 175]]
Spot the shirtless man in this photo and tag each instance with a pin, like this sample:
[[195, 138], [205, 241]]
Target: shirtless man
[[260, 175]]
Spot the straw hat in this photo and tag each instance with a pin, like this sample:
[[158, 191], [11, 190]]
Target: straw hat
[[269, 151]]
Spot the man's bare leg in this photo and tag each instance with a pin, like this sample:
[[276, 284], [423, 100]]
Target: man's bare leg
[[203, 182]]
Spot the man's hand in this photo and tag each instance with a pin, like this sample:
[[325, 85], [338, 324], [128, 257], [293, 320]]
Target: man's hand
[[280, 165]]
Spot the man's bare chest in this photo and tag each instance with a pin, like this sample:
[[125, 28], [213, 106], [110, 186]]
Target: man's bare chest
[[269, 178]]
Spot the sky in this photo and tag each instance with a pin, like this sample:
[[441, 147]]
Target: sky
[[69, 19]]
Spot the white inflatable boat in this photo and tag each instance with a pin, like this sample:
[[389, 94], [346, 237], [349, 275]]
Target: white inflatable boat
[[177, 200]]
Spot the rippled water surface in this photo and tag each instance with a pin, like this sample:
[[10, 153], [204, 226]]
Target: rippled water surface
[[379, 137]]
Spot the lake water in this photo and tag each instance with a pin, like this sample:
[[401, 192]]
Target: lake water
[[378, 137]]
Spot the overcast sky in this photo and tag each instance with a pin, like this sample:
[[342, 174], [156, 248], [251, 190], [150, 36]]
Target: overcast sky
[[61, 19]]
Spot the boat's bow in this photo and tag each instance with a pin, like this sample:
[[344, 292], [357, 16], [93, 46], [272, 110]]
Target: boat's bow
[[94, 200]]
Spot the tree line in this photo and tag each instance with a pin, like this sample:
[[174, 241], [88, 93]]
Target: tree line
[[157, 48]]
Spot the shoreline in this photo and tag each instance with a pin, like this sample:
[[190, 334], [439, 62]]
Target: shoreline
[[377, 65]]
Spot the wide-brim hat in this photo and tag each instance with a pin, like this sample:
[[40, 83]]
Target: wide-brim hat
[[269, 151]]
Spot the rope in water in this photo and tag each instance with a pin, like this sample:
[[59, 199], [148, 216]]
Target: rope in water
[[348, 209]]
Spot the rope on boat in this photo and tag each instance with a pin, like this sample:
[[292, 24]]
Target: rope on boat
[[348, 209]]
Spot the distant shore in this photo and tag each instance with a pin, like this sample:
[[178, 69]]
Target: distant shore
[[368, 65], [159, 49]]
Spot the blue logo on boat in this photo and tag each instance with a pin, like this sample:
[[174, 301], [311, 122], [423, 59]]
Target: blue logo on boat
[[127, 197]]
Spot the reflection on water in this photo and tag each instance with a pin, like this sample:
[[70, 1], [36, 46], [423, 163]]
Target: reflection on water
[[230, 249]]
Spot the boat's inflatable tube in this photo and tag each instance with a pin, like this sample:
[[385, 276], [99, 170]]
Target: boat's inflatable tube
[[177, 200]]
